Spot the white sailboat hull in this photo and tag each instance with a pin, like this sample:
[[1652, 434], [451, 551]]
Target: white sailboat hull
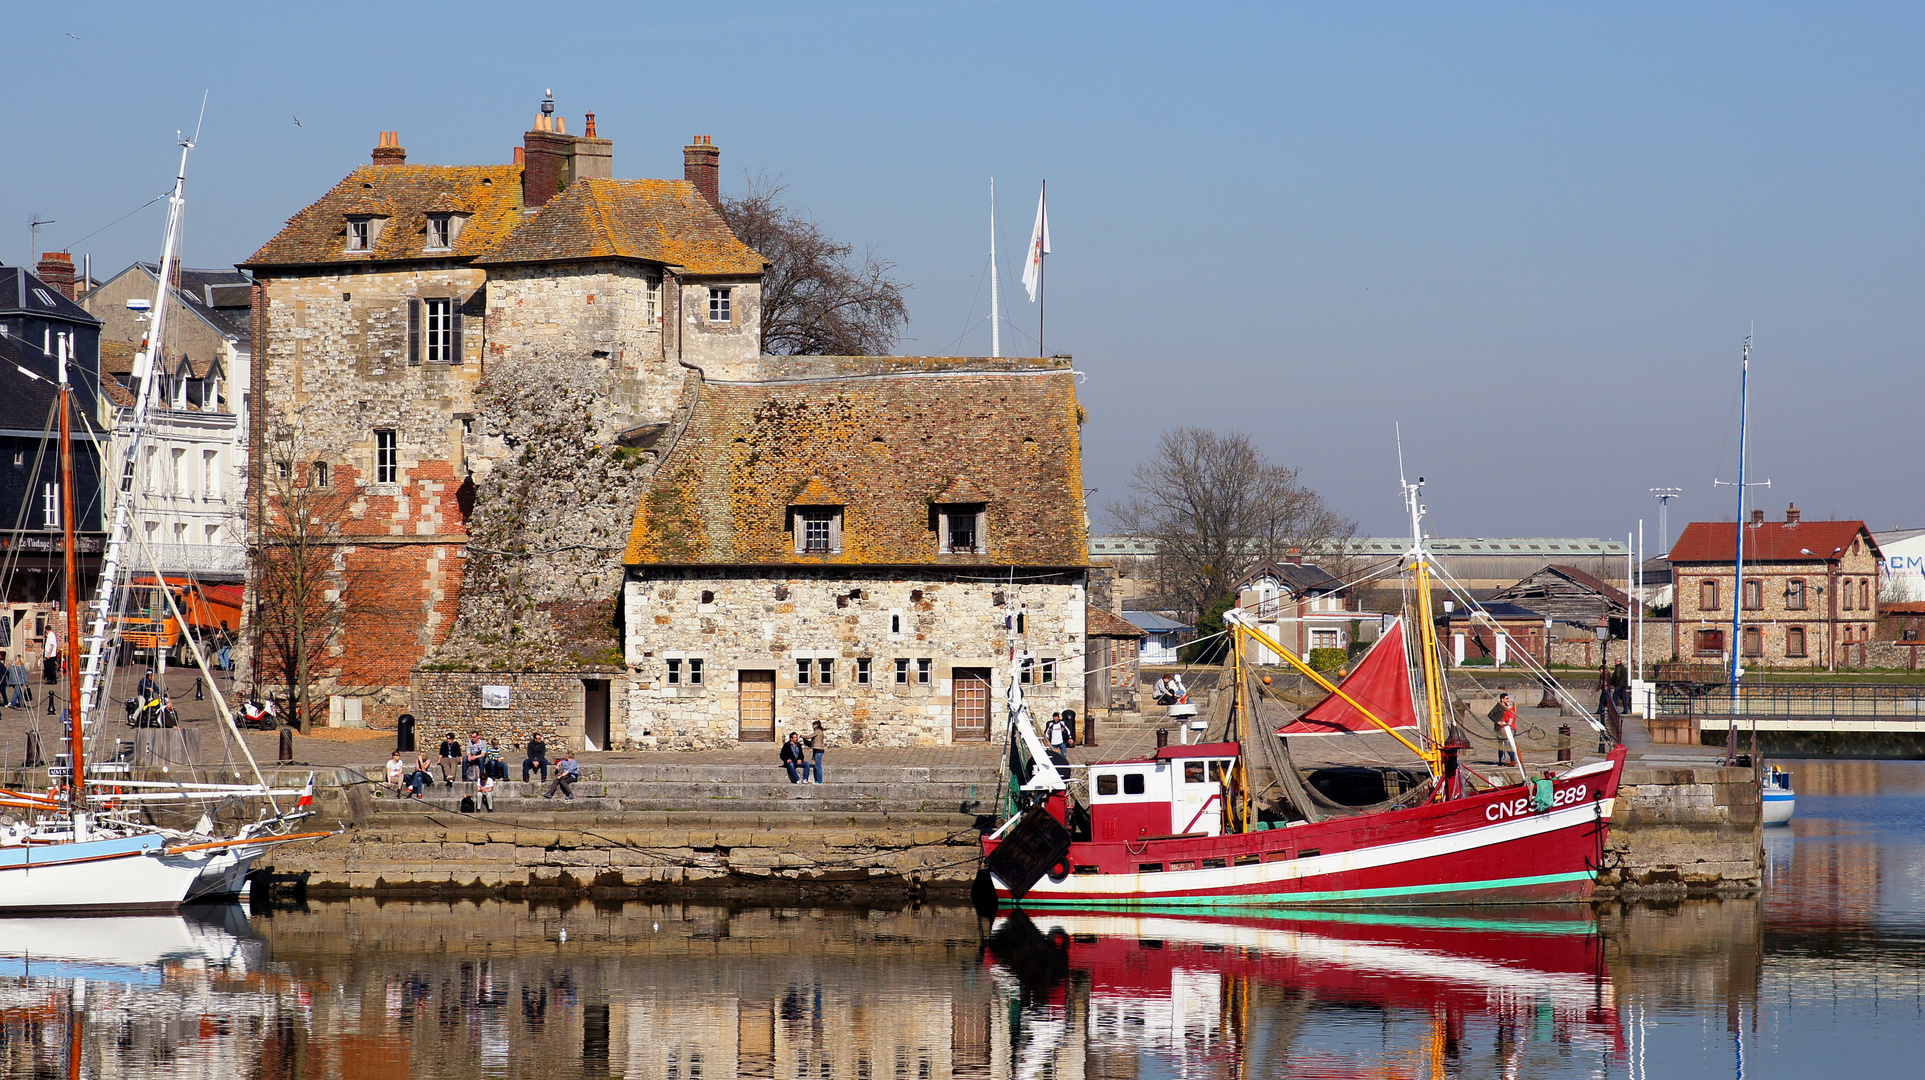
[[114, 875]]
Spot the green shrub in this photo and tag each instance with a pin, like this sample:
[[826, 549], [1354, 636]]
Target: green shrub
[[1328, 661]]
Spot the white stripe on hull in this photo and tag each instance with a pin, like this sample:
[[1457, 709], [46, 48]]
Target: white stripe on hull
[[1231, 879]]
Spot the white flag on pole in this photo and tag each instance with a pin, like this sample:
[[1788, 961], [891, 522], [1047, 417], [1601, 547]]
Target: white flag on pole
[[1038, 247]]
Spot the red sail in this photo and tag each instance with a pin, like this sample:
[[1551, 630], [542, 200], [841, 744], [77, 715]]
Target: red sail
[[1381, 683]]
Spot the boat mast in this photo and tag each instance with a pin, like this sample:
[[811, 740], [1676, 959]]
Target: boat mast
[[1738, 563], [76, 763], [995, 294], [1435, 723], [145, 364]]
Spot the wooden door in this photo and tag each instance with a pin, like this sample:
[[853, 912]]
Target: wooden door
[[755, 698], [969, 710]]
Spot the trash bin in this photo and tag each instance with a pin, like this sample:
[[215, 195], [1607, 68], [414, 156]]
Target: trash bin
[[404, 733]]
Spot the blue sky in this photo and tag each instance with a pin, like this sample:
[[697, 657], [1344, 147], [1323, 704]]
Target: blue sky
[[1534, 235]]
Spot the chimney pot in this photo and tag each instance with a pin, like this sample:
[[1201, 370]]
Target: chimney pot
[[702, 166], [1791, 514], [56, 268], [387, 150], [1757, 517], [518, 155], [588, 127]]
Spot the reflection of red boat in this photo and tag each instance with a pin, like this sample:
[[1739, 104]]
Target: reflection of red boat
[[1154, 976]]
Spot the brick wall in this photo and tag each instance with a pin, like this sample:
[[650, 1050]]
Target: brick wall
[[769, 620]]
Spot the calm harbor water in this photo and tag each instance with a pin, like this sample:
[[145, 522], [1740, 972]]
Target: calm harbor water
[[1826, 972]]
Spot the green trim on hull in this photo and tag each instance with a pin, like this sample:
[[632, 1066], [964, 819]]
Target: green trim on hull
[[1372, 918], [1338, 896]]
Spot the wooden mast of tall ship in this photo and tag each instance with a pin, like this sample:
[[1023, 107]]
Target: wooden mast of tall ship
[[76, 752]]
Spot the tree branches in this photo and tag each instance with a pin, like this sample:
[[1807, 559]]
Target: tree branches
[[1215, 506], [817, 299]]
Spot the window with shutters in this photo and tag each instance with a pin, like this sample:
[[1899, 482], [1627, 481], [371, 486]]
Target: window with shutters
[[818, 529], [441, 233], [1754, 594], [1710, 642], [1754, 641], [1795, 594], [1794, 641], [960, 528], [439, 329], [1708, 596], [360, 233]]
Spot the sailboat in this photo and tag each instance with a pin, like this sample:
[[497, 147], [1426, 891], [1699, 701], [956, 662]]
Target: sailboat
[[1179, 829], [1778, 801], [85, 845]]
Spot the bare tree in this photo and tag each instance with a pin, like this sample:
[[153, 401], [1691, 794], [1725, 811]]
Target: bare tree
[[1214, 506], [309, 591], [817, 298]]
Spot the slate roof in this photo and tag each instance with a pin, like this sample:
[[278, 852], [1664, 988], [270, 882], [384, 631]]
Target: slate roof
[[404, 194], [658, 221], [1098, 622], [1773, 541], [223, 297], [1494, 610], [1152, 623], [886, 446], [21, 291], [1300, 578]]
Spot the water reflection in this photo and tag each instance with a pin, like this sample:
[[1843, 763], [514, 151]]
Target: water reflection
[[1828, 966]]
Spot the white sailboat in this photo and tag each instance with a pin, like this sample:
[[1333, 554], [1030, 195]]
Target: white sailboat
[[82, 848]]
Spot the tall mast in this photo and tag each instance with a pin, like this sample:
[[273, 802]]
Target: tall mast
[[76, 755], [145, 364], [1738, 564], [1435, 725], [995, 294]]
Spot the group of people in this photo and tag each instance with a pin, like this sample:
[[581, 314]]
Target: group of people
[[19, 687], [479, 762], [804, 760]]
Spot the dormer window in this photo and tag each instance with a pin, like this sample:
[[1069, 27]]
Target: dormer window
[[960, 528], [818, 530], [441, 232], [360, 234]]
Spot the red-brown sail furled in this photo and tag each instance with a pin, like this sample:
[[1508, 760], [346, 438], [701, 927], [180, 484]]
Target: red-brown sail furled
[[1381, 683]]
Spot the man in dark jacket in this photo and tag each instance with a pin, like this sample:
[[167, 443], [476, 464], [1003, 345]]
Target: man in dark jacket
[[537, 759], [792, 756]]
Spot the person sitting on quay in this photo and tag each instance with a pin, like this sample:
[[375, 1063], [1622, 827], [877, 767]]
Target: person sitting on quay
[[485, 794], [566, 773], [537, 759], [471, 762], [419, 777], [396, 772], [450, 757], [791, 756]]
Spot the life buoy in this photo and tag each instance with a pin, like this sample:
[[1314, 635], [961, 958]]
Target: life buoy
[[1060, 870]]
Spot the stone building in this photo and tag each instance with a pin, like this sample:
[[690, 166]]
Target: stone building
[[872, 542], [419, 331], [1810, 596]]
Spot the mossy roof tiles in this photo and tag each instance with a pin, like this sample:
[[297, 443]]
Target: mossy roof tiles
[[887, 446], [659, 221], [404, 195]]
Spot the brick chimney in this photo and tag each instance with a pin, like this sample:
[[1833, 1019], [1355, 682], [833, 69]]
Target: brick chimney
[[1791, 515], [56, 268], [594, 156], [1295, 558], [546, 153], [388, 151], [702, 166], [1757, 518]]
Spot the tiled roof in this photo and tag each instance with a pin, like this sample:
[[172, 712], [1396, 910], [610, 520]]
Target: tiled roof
[[1098, 622], [659, 221], [405, 194], [120, 396], [1593, 583], [117, 357], [887, 447], [1773, 541]]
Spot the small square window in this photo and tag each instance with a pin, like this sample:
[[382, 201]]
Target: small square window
[[802, 670], [961, 525], [440, 231], [674, 672], [360, 234], [862, 671], [902, 671], [815, 531], [1133, 783], [825, 672], [1046, 672], [695, 673], [720, 305], [924, 668], [1106, 783]]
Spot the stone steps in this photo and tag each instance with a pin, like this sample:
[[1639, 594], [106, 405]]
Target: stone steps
[[574, 818], [694, 772]]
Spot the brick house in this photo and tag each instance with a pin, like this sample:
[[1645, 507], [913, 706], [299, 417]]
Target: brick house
[[1301, 605], [864, 541], [1810, 595], [403, 325]]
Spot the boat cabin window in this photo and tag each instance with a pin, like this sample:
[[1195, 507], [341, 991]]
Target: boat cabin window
[[1106, 783], [1194, 772], [1133, 784]]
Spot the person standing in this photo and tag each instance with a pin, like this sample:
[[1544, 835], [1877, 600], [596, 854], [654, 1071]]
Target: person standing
[[224, 643], [818, 746], [16, 684], [50, 655], [1057, 733], [537, 759], [792, 758], [1504, 715]]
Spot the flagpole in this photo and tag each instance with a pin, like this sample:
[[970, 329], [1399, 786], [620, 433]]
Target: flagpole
[[1042, 298], [995, 302]]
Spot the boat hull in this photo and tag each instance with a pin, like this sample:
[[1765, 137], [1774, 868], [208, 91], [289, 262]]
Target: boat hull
[[108, 876], [1779, 806], [1497, 847]]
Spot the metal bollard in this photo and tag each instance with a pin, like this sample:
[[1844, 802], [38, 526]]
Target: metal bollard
[[287, 744], [1162, 737], [1564, 743]]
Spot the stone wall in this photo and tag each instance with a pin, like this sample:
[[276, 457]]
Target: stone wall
[[771, 620], [704, 342], [551, 702], [1684, 832], [1829, 616]]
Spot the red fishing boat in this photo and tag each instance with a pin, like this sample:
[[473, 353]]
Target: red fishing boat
[[1180, 827]]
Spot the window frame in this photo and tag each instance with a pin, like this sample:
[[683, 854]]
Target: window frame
[[361, 233], [825, 671], [1753, 641], [674, 671], [949, 516], [925, 671], [865, 673], [1800, 652], [1754, 594], [803, 519], [1708, 594], [721, 305], [652, 298], [902, 671], [437, 329], [444, 225], [1796, 595], [1706, 635], [387, 456]]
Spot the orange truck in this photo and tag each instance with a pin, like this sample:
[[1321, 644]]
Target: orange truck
[[149, 627]]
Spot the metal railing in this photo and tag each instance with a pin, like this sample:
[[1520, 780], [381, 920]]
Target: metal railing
[[1899, 701]]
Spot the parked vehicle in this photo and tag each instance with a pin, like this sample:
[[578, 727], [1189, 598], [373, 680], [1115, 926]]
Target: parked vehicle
[[150, 628]]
